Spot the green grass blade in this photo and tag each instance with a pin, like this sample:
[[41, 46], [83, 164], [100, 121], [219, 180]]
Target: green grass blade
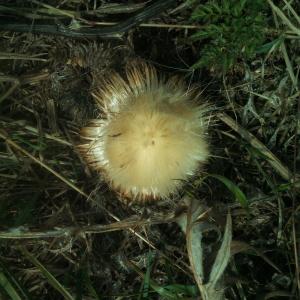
[[8, 287], [51, 279], [146, 283], [234, 189], [223, 255]]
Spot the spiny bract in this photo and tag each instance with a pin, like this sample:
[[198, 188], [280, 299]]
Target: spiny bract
[[150, 135]]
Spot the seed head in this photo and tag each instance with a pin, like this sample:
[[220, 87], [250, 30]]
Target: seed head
[[150, 135]]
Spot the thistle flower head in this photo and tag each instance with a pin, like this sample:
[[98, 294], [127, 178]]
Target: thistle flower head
[[150, 135]]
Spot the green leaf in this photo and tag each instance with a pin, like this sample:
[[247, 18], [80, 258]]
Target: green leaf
[[234, 189], [265, 48], [234, 28], [175, 291]]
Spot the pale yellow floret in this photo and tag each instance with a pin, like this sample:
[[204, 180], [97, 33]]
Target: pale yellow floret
[[152, 137]]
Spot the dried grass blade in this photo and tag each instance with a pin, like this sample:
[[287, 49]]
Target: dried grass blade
[[51, 279], [283, 171]]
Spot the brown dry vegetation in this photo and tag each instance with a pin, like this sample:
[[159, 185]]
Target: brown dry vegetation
[[64, 233]]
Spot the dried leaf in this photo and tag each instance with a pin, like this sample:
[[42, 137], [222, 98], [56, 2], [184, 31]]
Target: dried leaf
[[223, 255]]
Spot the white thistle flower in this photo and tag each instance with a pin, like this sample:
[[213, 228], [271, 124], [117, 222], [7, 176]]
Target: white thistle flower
[[150, 136]]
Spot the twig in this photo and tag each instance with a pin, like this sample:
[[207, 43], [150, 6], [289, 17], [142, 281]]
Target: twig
[[25, 233], [114, 31], [15, 83], [156, 25], [8, 55], [25, 79]]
